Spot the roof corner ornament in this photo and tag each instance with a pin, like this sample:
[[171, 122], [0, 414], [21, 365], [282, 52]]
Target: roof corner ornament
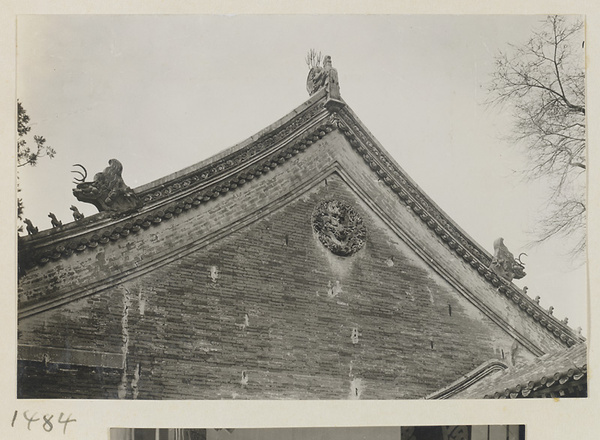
[[321, 75], [505, 264], [107, 192]]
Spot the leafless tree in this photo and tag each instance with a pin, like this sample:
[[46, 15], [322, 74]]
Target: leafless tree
[[543, 82]]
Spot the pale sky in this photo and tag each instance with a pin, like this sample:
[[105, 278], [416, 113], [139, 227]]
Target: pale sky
[[160, 93]]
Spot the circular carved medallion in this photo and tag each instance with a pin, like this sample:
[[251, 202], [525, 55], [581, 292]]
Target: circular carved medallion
[[339, 227]]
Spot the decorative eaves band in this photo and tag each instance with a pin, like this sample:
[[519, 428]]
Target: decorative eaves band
[[189, 192], [230, 162], [266, 154], [437, 221]]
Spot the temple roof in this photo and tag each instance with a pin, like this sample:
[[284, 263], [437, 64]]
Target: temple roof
[[559, 374], [321, 114]]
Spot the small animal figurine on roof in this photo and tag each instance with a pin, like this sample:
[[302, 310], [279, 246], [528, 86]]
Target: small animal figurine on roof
[[76, 214], [56, 223], [30, 228]]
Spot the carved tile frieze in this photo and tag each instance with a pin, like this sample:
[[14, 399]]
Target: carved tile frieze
[[237, 158], [433, 217]]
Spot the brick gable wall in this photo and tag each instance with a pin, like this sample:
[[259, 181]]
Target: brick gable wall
[[263, 310]]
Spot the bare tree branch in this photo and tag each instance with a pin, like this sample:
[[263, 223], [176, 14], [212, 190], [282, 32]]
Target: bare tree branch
[[543, 83]]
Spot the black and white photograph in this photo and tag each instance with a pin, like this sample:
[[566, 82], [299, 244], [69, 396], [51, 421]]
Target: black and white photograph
[[464, 432], [476, 432], [305, 207]]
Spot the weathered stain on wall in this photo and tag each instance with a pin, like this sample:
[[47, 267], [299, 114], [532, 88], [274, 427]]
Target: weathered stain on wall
[[122, 392]]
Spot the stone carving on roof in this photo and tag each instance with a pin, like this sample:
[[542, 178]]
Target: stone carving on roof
[[339, 227], [108, 191], [271, 150], [261, 146], [76, 214], [30, 228], [321, 76], [56, 223], [504, 263]]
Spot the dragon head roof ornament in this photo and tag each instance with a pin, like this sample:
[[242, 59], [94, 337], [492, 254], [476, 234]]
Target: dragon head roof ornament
[[505, 264], [107, 191]]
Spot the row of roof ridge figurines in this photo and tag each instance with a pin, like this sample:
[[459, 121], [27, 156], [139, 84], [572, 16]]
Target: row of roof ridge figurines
[[321, 75]]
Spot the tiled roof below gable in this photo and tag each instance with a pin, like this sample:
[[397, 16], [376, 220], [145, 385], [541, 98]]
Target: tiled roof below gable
[[558, 374]]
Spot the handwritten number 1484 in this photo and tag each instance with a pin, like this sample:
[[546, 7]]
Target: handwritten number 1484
[[46, 420]]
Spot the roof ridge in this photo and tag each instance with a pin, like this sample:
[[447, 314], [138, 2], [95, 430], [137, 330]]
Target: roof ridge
[[265, 151], [307, 107], [441, 223]]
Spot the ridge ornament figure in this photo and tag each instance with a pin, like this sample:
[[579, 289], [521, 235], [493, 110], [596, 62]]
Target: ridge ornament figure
[[108, 191], [322, 76], [505, 264], [30, 228], [76, 214], [56, 223]]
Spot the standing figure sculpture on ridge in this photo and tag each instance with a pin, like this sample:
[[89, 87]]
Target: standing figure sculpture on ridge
[[321, 76]]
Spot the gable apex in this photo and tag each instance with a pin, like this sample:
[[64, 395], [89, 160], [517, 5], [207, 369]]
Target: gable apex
[[166, 198]]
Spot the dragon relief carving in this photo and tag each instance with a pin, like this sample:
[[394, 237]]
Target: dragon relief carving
[[505, 264], [339, 227], [107, 191]]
